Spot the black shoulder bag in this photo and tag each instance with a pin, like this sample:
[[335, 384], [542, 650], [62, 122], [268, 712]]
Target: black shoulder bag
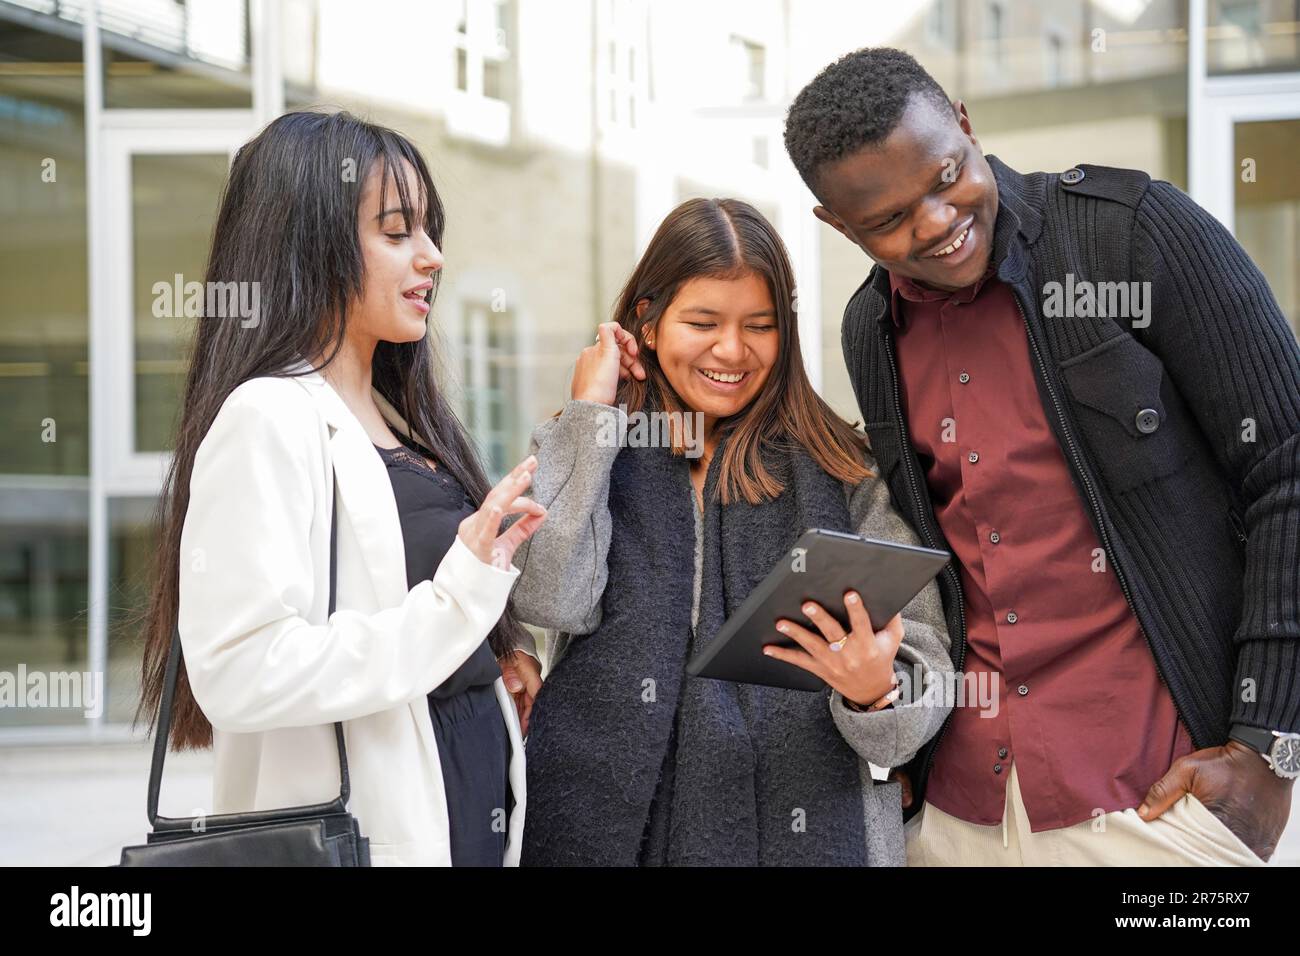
[[324, 834]]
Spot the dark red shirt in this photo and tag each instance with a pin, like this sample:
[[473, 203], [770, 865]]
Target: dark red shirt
[[1081, 708]]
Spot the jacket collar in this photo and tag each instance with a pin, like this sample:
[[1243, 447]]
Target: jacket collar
[[364, 488], [1018, 223], [336, 411], [1023, 197]]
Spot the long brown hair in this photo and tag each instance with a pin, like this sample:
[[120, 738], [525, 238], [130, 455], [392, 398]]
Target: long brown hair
[[728, 239], [288, 220]]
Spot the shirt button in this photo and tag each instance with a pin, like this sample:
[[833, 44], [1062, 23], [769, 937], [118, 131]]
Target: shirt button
[[1002, 752], [995, 537], [964, 377], [1022, 690], [997, 768], [1012, 617], [973, 457], [1148, 420]]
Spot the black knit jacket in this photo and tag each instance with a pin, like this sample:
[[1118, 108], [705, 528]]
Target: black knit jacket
[[1182, 437]]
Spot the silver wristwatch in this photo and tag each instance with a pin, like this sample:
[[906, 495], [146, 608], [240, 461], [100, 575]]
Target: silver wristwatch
[[1281, 751]]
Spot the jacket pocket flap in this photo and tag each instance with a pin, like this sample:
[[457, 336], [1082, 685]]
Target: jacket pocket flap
[[1121, 379]]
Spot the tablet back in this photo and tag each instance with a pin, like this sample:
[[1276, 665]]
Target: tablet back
[[820, 567]]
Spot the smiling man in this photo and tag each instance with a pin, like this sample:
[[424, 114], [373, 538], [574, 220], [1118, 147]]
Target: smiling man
[[1081, 386]]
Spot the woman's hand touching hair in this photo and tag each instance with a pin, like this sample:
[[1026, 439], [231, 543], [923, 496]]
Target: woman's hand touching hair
[[600, 367], [481, 531]]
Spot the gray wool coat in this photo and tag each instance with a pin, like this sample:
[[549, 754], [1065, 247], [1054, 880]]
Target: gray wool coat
[[563, 580]]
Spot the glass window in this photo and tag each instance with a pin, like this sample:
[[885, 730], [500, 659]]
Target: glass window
[[158, 54], [174, 206], [489, 375], [493, 80], [501, 23], [44, 346], [43, 594], [298, 51], [132, 539], [939, 23], [1267, 214], [624, 25], [44, 330], [753, 66], [993, 34], [1250, 36], [1054, 65], [482, 49]]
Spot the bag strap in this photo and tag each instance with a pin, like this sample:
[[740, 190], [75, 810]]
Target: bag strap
[[161, 740]]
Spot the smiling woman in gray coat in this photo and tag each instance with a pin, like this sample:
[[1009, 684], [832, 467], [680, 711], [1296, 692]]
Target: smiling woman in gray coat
[[648, 549]]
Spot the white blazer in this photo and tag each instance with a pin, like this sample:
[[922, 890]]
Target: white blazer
[[268, 668]]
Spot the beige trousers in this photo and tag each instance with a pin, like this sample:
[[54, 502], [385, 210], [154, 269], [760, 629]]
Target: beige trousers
[[1187, 834]]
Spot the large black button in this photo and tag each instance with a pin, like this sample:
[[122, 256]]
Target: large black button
[[1072, 175], [1148, 420]]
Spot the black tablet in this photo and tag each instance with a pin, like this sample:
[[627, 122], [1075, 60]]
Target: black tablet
[[821, 566]]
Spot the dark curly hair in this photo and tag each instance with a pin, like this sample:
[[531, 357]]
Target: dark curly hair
[[856, 101]]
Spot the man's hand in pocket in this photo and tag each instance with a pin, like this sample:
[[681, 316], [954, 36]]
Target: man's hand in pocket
[[1236, 785]]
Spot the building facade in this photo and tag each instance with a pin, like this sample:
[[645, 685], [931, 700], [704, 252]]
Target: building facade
[[559, 132]]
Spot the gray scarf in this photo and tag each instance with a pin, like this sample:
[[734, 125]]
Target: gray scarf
[[632, 762]]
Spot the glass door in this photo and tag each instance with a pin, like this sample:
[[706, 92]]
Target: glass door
[[163, 186], [1252, 136], [162, 183], [1266, 204]]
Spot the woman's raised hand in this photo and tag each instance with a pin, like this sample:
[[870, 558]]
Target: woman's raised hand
[[481, 531], [600, 367]]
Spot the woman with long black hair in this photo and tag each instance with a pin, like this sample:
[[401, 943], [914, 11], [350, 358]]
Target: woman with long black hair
[[328, 401]]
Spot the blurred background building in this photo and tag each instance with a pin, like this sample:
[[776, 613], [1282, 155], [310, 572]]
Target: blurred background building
[[560, 132]]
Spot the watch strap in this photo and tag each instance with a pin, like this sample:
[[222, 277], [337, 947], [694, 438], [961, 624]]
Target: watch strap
[[1256, 738]]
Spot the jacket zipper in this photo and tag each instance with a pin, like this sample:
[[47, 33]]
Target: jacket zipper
[[1103, 524], [1238, 527], [923, 526]]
